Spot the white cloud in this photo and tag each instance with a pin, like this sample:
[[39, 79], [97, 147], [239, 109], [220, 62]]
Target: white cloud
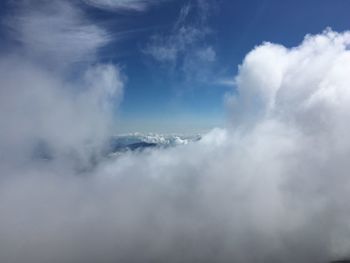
[[305, 85], [57, 31], [40, 100], [37, 105], [271, 188], [185, 48], [114, 5]]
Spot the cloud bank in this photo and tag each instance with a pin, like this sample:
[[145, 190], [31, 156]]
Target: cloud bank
[[272, 187]]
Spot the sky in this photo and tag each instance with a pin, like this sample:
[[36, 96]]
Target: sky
[[179, 58]]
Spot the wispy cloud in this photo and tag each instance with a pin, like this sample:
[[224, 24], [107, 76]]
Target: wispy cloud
[[230, 82], [117, 5], [56, 31], [186, 47]]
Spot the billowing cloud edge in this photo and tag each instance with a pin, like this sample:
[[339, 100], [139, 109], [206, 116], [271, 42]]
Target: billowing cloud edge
[[271, 187]]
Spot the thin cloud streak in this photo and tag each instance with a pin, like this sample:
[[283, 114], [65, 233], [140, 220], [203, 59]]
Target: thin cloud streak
[[119, 5]]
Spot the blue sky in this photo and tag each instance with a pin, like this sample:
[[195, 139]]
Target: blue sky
[[179, 57]]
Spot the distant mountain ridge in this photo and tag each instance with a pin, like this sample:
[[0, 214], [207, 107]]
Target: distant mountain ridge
[[113, 148], [138, 141]]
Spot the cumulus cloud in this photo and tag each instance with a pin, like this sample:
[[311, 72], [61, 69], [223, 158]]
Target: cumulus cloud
[[186, 47], [272, 187], [305, 84]]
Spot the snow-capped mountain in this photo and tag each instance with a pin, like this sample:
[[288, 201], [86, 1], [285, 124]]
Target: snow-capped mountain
[[139, 141]]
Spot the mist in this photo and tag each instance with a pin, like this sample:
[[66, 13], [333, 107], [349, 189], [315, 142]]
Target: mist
[[272, 186]]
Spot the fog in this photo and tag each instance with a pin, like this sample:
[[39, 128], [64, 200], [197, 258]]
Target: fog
[[272, 186]]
